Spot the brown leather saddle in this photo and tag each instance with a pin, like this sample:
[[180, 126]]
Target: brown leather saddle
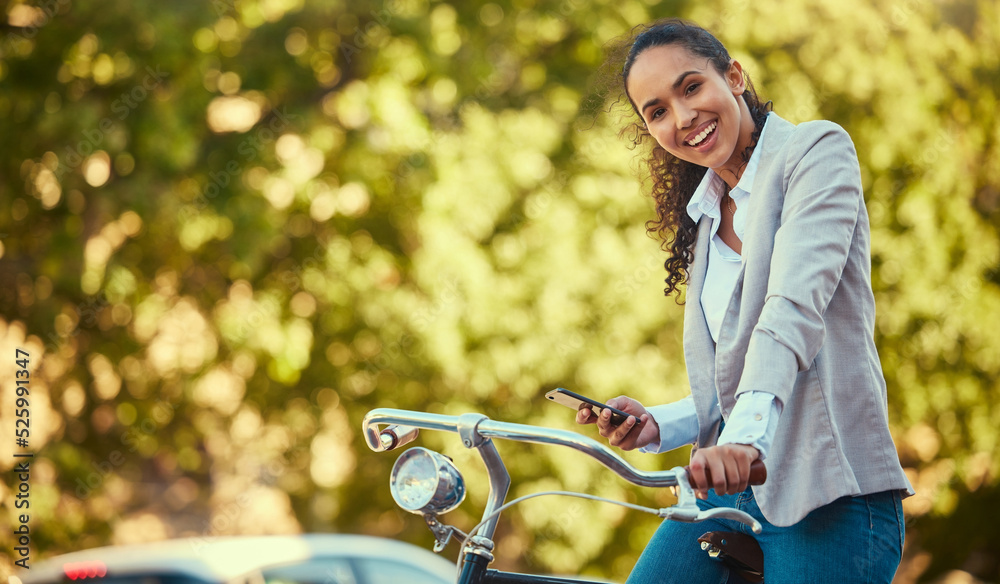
[[739, 551]]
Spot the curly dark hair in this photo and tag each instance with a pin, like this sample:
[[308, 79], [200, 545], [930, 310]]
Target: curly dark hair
[[675, 180]]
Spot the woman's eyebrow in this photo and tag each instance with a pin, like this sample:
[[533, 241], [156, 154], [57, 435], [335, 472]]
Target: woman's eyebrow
[[649, 103], [682, 76]]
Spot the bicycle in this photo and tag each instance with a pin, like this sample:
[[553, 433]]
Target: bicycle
[[427, 483]]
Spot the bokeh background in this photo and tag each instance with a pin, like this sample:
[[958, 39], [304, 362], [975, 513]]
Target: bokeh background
[[229, 228]]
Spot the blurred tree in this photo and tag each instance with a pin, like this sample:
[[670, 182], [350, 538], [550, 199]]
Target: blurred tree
[[232, 227]]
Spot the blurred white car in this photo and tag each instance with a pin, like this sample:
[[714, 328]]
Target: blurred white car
[[280, 559]]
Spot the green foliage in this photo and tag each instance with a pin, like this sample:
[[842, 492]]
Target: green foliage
[[230, 228]]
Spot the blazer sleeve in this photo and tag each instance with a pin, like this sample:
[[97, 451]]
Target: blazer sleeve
[[820, 211]]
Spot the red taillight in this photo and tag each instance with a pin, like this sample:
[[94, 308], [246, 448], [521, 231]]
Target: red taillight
[[84, 570]]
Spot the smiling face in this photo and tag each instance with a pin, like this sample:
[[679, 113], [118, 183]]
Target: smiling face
[[690, 109]]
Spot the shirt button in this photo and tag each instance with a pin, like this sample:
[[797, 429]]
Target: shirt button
[[758, 417]]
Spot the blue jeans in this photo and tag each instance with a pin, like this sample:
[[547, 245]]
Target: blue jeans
[[852, 539]]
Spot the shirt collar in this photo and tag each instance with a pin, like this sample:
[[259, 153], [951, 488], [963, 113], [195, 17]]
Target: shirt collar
[[705, 200]]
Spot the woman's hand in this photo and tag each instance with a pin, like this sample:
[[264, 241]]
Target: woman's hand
[[637, 431], [729, 466]]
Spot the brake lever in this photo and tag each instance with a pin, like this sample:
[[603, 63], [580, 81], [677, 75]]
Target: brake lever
[[687, 510], [729, 513]]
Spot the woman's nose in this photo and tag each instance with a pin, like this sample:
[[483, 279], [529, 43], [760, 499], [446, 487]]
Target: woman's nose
[[684, 117]]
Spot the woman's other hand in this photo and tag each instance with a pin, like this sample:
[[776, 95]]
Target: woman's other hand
[[637, 431], [729, 466]]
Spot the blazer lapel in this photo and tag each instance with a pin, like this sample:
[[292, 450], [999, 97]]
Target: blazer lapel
[[699, 349], [751, 286]]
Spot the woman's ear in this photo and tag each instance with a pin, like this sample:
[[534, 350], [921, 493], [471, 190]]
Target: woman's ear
[[735, 78]]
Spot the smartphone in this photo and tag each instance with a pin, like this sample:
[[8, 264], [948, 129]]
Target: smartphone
[[578, 402]]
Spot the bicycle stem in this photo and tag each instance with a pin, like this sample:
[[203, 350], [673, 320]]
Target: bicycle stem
[[468, 430]]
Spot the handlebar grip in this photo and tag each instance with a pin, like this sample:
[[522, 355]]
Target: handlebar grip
[[758, 473], [397, 435]]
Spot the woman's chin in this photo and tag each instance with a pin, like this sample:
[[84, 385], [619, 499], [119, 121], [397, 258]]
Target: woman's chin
[[718, 157], [708, 160]]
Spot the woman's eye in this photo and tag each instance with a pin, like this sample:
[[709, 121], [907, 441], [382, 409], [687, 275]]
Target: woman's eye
[[692, 87], [656, 114]]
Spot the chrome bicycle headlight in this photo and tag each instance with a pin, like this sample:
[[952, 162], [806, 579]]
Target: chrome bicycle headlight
[[425, 482]]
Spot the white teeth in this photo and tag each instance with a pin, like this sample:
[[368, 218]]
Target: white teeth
[[704, 134]]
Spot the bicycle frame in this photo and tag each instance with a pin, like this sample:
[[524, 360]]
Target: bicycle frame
[[478, 431]]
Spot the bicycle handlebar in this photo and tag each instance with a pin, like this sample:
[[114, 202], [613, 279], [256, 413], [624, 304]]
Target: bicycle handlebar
[[407, 422]]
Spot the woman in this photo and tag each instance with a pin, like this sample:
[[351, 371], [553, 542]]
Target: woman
[[766, 224]]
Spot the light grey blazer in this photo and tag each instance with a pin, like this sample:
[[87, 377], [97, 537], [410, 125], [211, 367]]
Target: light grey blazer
[[800, 326]]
